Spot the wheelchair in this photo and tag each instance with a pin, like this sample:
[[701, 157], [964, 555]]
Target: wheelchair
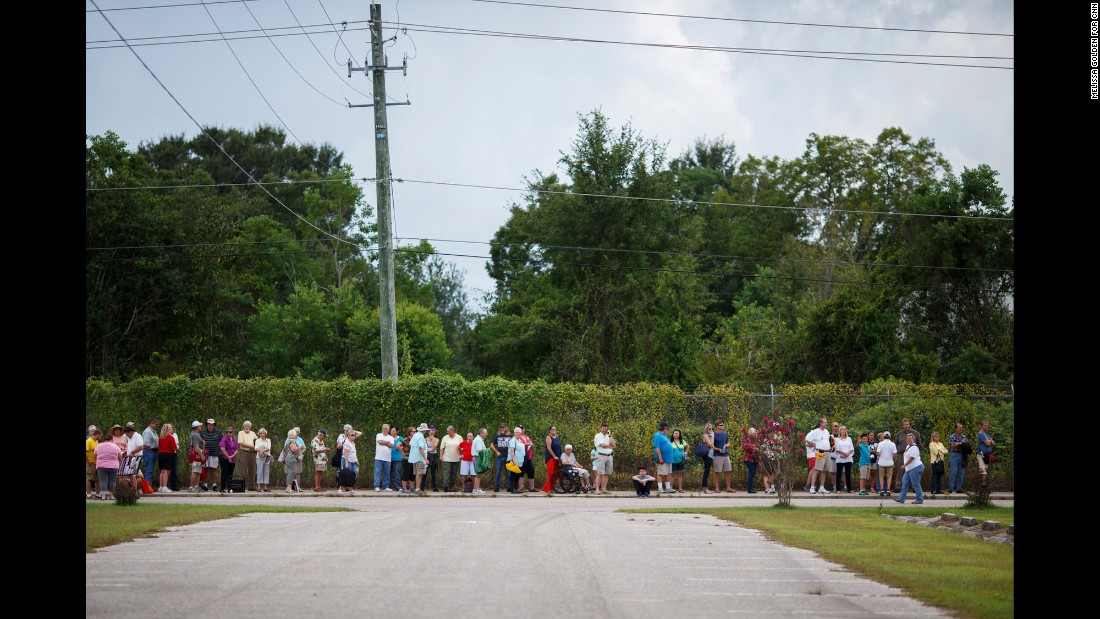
[[570, 481]]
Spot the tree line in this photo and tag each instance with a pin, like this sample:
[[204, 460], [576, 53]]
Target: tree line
[[851, 262]]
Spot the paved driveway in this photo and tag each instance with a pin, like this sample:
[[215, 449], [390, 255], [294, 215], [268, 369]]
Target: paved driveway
[[458, 557]]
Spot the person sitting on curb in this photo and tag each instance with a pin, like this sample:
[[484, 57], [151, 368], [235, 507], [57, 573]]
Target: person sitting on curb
[[643, 483]]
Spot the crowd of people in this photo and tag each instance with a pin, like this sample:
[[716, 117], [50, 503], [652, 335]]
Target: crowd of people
[[410, 463]]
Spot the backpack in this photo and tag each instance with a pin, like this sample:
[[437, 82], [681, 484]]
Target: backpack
[[468, 485], [484, 461]]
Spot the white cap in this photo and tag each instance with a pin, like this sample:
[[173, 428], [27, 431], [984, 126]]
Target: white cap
[[91, 428], [195, 424]]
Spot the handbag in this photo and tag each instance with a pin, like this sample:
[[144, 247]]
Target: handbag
[[513, 467], [702, 450], [282, 456]]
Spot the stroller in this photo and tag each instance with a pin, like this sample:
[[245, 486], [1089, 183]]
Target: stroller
[[570, 481]]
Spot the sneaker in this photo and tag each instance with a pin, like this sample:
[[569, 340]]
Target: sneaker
[[918, 501], [862, 493], [806, 488], [813, 490], [167, 489], [882, 493], [479, 491], [215, 487], [823, 490], [377, 489], [87, 495], [341, 491], [99, 496], [899, 501], [887, 493], [387, 490]]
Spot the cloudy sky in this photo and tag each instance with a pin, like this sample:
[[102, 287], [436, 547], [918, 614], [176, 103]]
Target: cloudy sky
[[489, 110]]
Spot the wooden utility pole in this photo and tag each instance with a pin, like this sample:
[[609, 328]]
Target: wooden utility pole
[[382, 173]]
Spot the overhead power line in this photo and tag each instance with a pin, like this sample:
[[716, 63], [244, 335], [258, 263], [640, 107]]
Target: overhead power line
[[213, 36], [751, 21], [165, 6], [204, 132], [548, 191]]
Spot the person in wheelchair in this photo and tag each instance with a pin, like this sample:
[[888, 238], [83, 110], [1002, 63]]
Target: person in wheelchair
[[573, 475]]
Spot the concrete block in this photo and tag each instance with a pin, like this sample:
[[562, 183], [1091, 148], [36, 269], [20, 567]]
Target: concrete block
[[949, 517], [968, 521], [1011, 529], [990, 525]]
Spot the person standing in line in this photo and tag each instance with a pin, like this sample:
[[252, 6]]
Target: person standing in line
[[662, 455], [108, 457], [383, 448], [478, 447], [605, 461], [500, 448], [830, 459], [750, 447], [212, 438], [768, 457], [450, 454], [936, 454], [166, 449], [886, 452], [263, 461], [872, 445], [407, 477], [433, 457], [135, 446], [246, 457], [466, 468], [320, 457], [227, 456], [196, 449], [151, 441], [418, 457], [864, 463], [722, 462], [528, 460], [397, 459], [956, 443], [817, 447], [708, 460], [679, 449], [643, 483], [844, 450], [350, 458], [517, 453], [91, 476], [173, 474], [985, 450], [913, 469], [906, 430], [292, 460], [553, 460]]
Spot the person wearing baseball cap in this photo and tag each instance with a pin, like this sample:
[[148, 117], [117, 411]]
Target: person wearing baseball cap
[[500, 448], [211, 438]]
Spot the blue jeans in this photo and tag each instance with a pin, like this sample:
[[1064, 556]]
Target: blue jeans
[[149, 459], [912, 478], [354, 466], [381, 470], [395, 474], [500, 462], [751, 466], [956, 472]]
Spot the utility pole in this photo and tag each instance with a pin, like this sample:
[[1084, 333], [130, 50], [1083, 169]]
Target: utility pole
[[387, 309]]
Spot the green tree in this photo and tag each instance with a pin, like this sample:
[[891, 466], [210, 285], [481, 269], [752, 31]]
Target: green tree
[[421, 343]]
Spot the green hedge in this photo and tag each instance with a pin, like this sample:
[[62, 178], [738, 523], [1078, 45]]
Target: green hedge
[[632, 410]]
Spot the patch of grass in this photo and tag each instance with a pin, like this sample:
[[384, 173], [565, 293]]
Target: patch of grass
[[971, 577], [107, 524]]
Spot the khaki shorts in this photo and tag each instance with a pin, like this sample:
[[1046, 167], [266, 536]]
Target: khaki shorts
[[819, 463], [196, 467], [722, 464], [89, 470], [665, 468], [605, 464], [830, 464], [419, 468], [884, 471], [865, 471]]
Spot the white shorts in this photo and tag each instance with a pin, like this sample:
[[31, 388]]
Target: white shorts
[[467, 468], [211, 462]]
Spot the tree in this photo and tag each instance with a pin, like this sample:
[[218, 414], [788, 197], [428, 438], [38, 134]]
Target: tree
[[421, 343]]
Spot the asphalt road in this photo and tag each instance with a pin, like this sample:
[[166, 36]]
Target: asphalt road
[[454, 557]]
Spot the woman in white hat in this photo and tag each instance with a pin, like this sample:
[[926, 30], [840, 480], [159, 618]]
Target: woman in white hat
[[263, 460], [292, 458], [569, 460]]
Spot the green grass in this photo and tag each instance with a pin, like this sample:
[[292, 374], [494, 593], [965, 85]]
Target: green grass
[[107, 523], [967, 576]]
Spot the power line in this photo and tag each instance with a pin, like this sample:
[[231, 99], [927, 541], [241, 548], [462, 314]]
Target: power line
[[289, 64], [732, 50], [308, 38], [266, 33], [339, 36], [165, 6], [751, 21], [563, 193], [197, 124], [259, 92]]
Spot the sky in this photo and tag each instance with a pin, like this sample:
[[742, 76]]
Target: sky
[[491, 110]]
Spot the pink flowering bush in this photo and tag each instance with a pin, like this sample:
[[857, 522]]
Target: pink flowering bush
[[779, 447]]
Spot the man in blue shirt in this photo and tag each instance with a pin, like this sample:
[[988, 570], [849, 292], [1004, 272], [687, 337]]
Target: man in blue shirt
[[722, 456], [662, 455], [396, 457], [985, 449], [955, 476], [418, 457]]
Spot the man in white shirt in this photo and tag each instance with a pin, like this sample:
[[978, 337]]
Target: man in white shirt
[[383, 450], [605, 464], [478, 447], [886, 452], [151, 442], [817, 443]]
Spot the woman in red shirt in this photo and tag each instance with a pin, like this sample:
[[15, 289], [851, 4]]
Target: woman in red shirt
[[466, 466], [166, 455]]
